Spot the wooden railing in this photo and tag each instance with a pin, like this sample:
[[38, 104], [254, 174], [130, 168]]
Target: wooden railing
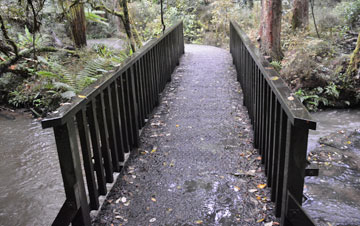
[[281, 125], [103, 123]]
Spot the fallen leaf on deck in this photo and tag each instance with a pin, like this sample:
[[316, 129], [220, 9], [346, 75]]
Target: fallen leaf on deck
[[152, 220], [236, 188], [274, 78], [199, 222], [261, 186], [153, 199], [252, 190], [261, 220], [127, 203], [82, 96], [291, 98], [177, 125]]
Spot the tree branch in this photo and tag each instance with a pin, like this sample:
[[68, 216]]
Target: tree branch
[[108, 10], [4, 66], [5, 34]]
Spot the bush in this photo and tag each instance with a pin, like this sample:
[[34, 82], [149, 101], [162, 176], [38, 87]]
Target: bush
[[349, 11]]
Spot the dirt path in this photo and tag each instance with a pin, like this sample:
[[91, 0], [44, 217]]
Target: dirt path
[[196, 163]]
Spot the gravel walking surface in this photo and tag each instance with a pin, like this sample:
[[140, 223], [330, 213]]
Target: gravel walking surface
[[196, 164]]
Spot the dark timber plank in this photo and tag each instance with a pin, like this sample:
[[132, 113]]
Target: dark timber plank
[[117, 121], [123, 115], [84, 135], [113, 142], [95, 141], [66, 143]]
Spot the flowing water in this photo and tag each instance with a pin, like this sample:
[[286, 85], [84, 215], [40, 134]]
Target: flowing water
[[334, 196], [30, 180]]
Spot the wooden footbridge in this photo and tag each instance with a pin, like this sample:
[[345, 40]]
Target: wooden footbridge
[[96, 132]]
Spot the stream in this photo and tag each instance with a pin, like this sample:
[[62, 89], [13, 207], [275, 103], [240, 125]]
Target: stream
[[31, 185], [333, 196], [32, 191]]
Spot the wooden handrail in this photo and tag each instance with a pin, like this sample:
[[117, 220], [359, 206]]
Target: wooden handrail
[[281, 126], [66, 111], [104, 125]]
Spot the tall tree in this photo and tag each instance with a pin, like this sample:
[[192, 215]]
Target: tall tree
[[75, 14], [270, 28], [127, 24], [300, 14], [78, 24]]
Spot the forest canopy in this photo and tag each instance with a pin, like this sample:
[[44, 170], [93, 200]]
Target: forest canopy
[[51, 50]]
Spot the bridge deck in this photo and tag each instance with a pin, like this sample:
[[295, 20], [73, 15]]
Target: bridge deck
[[196, 163]]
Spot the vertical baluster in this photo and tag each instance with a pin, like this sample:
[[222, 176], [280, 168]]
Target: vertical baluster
[[262, 114], [267, 125], [147, 84], [152, 80], [95, 142], [276, 147], [256, 108], [157, 63], [141, 93], [252, 101], [295, 164], [129, 116], [144, 94], [158, 70], [271, 138], [137, 90], [117, 121], [168, 58], [113, 142], [177, 50], [133, 106], [123, 114], [84, 134], [69, 158], [182, 38], [281, 162], [104, 137]]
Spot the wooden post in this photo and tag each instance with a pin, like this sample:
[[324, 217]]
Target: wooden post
[[67, 147]]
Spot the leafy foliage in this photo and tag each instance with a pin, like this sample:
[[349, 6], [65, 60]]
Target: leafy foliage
[[351, 11]]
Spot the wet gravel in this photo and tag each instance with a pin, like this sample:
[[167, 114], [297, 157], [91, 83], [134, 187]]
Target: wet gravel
[[196, 164]]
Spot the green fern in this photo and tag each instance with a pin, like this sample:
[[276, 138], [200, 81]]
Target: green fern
[[91, 72]]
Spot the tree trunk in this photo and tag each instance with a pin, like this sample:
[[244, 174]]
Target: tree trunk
[[270, 28], [300, 11], [127, 24], [353, 67], [78, 24]]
